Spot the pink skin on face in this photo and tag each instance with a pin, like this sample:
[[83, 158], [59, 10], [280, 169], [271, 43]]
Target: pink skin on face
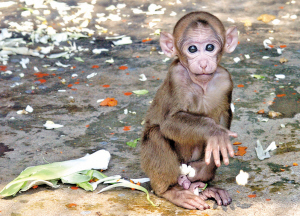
[[202, 61]]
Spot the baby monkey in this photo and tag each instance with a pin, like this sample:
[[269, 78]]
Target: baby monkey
[[189, 119]]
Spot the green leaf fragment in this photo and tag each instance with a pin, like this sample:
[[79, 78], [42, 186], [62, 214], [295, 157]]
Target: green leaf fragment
[[86, 186], [79, 59], [257, 76], [140, 92], [134, 143], [128, 185]]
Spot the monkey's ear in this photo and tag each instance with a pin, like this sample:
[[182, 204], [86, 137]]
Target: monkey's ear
[[231, 39], [167, 44]]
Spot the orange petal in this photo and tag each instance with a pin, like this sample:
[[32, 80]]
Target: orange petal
[[295, 164], [240, 86], [42, 80], [282, 46], [262, 111], [112, 103], [70, 85], [123, 67], [35, 186], [281, 95], [128, 93], [106, 86], [95, 66], [71, 205], [252, 195], [146, 40], [74, 188], [268, 199], [237, 143], [126, 128]]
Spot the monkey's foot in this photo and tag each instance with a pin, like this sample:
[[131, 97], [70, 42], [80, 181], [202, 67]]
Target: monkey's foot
[[221, 196], [186, 198], [184, 182]]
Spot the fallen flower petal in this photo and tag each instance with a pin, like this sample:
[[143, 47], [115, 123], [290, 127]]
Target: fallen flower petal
[[109, 102], [146, 40], [126, 128], [295, 164], [123, 67], [128, 93], [51, 125], [242, 178], [252, 195], [240, 85], [71, 205], [237, 143], [74, 188], [241, 151]]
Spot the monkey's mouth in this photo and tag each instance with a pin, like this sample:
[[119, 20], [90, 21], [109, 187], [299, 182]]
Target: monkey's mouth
[[204, 75]]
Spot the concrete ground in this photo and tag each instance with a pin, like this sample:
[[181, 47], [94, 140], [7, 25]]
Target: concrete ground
[[89, 127]]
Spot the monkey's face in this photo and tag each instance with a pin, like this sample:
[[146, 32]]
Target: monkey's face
[[199, 52]]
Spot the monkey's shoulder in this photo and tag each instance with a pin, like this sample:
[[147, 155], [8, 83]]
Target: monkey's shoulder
[[221, 80]]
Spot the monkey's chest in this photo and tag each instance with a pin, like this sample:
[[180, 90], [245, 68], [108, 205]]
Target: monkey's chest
[[210, 104]]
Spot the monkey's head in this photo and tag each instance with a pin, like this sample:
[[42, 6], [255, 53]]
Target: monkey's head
[[199, 40]]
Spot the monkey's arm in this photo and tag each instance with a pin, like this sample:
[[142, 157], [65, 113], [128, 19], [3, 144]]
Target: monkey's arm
[[187, 128], [190, 129]]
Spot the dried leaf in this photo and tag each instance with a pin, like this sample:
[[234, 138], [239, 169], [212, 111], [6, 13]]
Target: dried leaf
[[262, 111], [283, 60], [266, 18], [273, 114]]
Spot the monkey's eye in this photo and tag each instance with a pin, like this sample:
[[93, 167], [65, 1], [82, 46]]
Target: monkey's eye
[[209, 47], [193, 49]]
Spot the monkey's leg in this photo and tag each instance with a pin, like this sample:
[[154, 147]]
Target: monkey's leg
[[159, 160], [161, 164]]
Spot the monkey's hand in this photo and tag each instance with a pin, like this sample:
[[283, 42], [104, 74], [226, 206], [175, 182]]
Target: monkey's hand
[[221, 196], [186, 198], [217, 143]]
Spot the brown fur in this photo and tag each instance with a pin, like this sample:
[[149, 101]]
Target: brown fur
[[182, 117]]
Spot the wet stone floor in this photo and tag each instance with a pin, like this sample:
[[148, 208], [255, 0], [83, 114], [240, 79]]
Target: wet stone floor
[[69, 94]]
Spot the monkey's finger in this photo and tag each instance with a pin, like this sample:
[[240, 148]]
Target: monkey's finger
[[223, 150], [208, 153], [230, 148], [232, 134], [213, 194], [224, 196], [202, 205], [216, 154], [188, 206]]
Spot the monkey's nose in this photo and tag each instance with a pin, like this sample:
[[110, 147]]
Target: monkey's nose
[[203, 65]]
